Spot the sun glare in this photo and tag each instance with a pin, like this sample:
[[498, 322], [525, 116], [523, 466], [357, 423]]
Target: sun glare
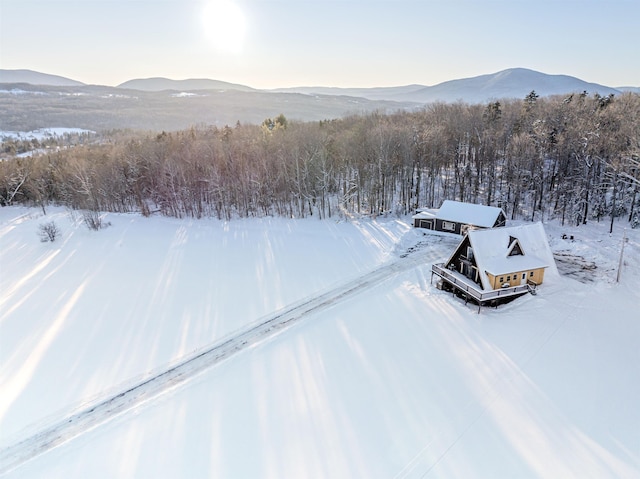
[[224, 25]]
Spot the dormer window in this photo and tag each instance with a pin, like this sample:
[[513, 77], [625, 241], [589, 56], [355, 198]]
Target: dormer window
[[514, 247]]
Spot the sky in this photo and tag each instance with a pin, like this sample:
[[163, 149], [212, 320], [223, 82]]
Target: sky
[[343, 43]]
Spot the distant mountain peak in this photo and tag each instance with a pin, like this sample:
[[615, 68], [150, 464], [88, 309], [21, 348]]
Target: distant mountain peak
[[36, 78], [161, 84], [509, 83]]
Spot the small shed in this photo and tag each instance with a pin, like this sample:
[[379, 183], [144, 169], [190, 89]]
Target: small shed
[[458, 218], [493, 264]]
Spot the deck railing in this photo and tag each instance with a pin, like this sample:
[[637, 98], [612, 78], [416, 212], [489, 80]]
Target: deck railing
[[476, 293]]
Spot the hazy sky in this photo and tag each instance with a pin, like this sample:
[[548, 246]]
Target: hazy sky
[[280, 43]]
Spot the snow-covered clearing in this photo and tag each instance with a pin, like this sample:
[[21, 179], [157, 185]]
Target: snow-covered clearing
[[385, 376], [42, 133]]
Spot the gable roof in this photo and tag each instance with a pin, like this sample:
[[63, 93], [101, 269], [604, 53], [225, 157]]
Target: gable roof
[[491, 250], [469, 213]]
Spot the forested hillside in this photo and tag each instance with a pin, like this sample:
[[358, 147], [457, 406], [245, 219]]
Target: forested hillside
[[575, 158]]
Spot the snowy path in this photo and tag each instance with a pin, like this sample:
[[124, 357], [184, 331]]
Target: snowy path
[[105, 409]]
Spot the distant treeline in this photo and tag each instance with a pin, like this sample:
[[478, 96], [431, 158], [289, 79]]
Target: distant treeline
[[573, 157]]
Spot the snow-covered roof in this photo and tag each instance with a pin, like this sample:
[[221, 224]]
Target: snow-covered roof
[[491, 249], [425, 213], [469, 213]]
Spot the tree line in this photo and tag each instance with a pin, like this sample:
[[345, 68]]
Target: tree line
[[574, 157]]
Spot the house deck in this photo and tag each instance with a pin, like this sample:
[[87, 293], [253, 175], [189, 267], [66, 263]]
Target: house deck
[[471, 289]]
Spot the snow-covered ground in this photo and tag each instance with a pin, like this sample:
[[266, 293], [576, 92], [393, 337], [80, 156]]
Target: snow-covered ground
[[42, 133], [394, 379]]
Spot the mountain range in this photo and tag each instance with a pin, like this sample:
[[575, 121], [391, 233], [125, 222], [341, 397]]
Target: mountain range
[[511, 83], [30, 99]]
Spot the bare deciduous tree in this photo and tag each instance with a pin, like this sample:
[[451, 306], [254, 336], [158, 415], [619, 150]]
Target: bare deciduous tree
[[48, 231]]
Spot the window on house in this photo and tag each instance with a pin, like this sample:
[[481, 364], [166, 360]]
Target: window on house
[[516, 250], [502, 279], [448, 225], [509, 278], [524, 276], [531, 274]]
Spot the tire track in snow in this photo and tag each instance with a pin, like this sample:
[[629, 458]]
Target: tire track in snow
[[153, 387]]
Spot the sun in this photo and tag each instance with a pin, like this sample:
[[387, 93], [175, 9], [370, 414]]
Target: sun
[[224, 25]]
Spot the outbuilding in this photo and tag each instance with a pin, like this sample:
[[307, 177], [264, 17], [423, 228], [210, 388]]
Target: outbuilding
[[457, 218]]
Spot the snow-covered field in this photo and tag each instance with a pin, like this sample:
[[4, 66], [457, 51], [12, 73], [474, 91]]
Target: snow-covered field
[[42, 133], [376, 373]]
